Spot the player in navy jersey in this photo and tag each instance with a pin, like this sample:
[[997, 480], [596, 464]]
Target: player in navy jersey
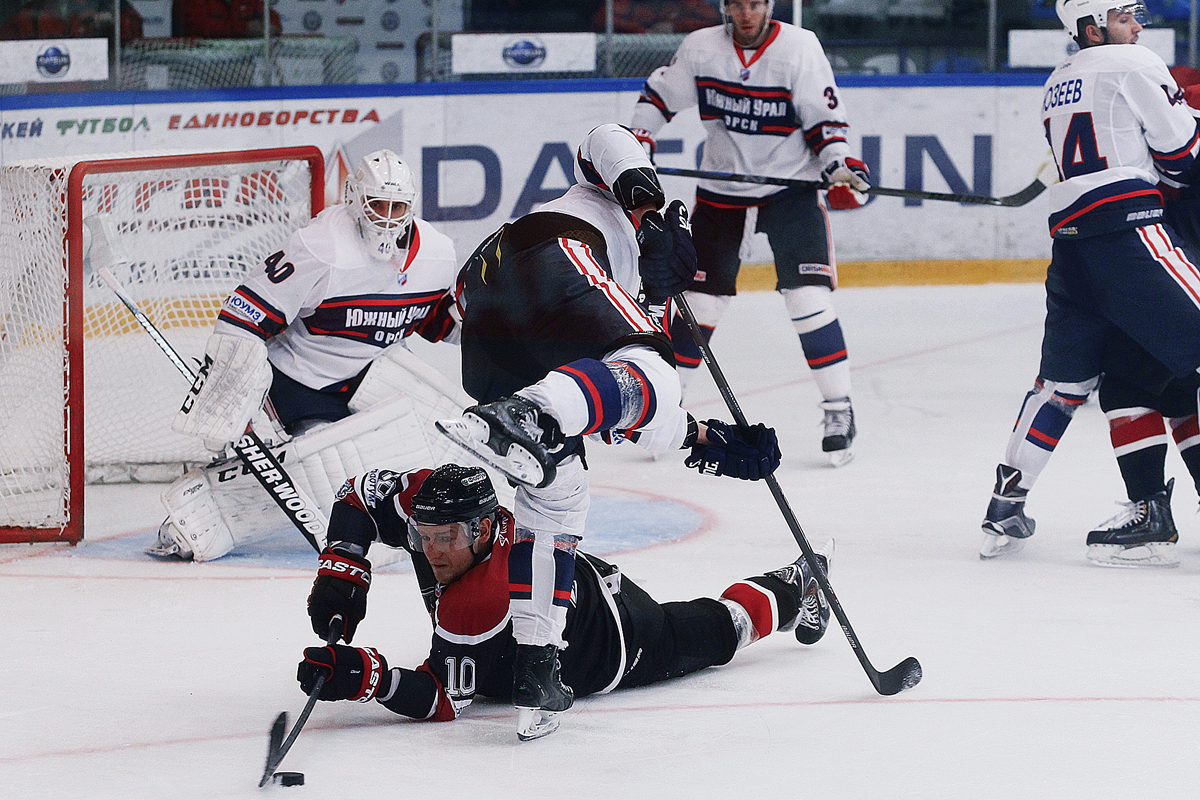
[[561, 341], [618, 636], [1117, 125], [312, 329], [769, 106]]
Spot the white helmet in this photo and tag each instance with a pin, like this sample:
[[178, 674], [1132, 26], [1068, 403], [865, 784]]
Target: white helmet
[[728, 20], [1095, 12], [381, 176]]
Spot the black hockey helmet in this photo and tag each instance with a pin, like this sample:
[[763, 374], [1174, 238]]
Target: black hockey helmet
[[453, 493]]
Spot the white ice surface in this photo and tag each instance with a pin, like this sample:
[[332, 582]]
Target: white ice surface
[[1045, 677]]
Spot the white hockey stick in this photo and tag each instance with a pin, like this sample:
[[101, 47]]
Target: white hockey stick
[[259, 460]]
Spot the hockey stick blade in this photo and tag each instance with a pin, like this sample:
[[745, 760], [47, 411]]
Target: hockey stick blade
[[278, 746], [275, 741], [905, 674], [1010, 201], [257, 458]]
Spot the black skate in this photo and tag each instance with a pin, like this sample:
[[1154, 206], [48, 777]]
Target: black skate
[[1005, 526], [1142, 535], [839, 431], [812, 617], [508, 434], [538, 693]]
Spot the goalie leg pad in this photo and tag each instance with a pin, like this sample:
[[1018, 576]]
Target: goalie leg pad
[[389, 435], [198, 526], [222, 506], [397, 371]]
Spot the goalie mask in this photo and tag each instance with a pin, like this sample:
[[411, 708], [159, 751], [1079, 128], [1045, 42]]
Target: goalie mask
[[381, 194], [453, 494], [612, 160], [1076, 14]]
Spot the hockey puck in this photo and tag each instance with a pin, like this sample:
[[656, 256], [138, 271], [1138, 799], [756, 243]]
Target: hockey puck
[[289, 778]]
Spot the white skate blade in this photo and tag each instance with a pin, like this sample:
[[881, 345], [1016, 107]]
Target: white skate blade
[[840, 458], [534, 723], [1150, 554], [472, 433], [997, 544]]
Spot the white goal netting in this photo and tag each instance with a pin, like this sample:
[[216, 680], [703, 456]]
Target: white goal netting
[[192, 225]]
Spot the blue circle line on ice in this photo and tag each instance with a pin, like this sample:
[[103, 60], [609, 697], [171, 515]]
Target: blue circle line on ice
[[619, 520]]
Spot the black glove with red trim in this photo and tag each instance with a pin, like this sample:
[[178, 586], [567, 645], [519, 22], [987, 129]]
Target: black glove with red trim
[[351, 673], [340, 589]]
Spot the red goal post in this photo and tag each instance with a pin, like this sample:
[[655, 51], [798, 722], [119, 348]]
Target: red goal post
[[85, 394]]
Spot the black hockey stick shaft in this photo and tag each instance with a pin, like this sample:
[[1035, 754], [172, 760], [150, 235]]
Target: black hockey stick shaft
[[1019, 199], [255, 455], [904, 675], [275, 753]]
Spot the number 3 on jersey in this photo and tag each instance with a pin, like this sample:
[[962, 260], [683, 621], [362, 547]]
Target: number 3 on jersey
[[1079, 154]]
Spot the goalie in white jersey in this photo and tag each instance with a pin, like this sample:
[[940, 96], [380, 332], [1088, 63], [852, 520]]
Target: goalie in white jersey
[[769, 106], [317, 331], [1117, 125]]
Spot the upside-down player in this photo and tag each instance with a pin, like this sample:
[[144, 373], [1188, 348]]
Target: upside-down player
[[557, 346], [618, 636], [769, 106], [312, 329], [1116, 123]]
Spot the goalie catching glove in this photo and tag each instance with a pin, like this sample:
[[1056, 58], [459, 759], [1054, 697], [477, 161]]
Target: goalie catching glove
[[750, 455], [351, 673], [848, 181], [668, 257], [339, 590], [230, 386]]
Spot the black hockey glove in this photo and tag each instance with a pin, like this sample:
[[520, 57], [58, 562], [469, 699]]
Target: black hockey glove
[[749, 455], [351, 673], [668, 257], [340, 588]]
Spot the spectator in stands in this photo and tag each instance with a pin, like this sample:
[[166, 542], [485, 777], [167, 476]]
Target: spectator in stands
[[658, 16], [71, 19], [529, 16], [220, 19]]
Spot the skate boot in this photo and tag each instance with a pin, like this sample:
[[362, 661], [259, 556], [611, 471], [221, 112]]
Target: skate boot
[[538, 693], [839, 430], [1142, 535], [512, 435], [813, 616], [1005, 526], [170, 544]]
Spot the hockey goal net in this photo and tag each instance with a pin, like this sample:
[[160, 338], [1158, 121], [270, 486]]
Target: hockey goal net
[[85, 394]]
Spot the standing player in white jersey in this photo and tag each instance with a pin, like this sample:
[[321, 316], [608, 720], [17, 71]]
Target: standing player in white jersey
[[558, 344], [363, 275], [769, 106], [1116, 123]]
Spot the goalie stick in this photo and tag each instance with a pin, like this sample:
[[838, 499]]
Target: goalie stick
[[258, 458], [277, 746], [1009, 201], [904, 675]]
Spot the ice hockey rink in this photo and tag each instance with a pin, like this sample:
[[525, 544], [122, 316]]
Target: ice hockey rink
[[1044, 676]]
